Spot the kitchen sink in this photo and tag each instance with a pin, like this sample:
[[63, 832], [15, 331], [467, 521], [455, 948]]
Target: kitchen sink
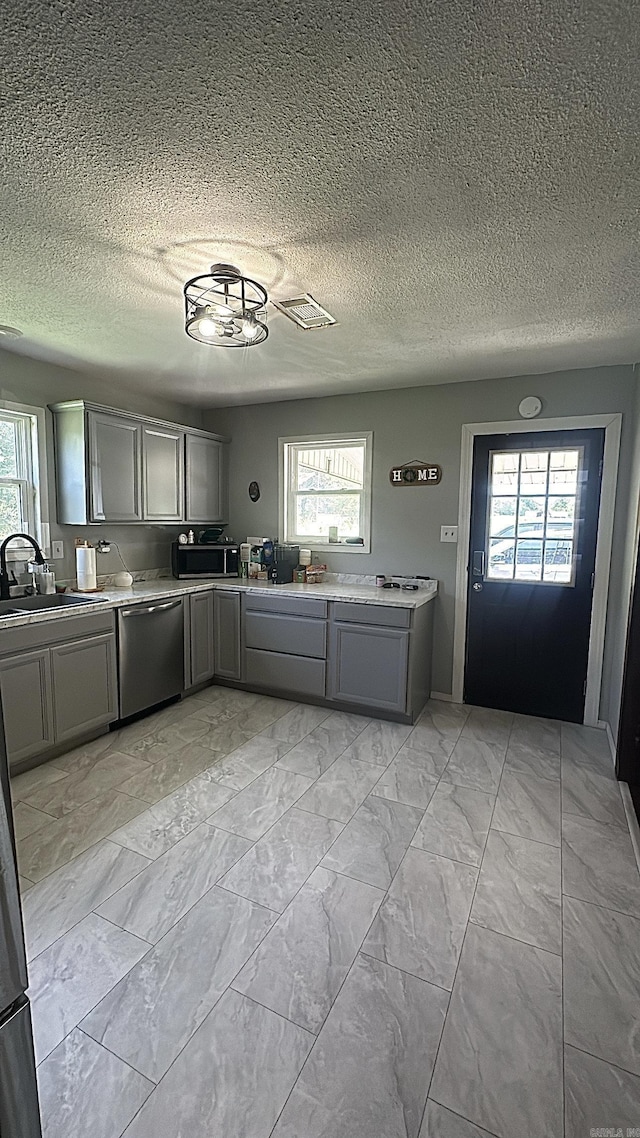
[[18, 606]]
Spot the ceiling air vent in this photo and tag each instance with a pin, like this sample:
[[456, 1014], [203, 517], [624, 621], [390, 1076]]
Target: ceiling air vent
[[305, 312]]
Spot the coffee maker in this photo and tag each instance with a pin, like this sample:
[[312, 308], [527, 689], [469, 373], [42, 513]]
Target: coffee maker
[[285, 560]]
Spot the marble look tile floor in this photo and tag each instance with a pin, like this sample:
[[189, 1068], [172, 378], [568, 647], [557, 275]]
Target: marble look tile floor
[[251, 918]]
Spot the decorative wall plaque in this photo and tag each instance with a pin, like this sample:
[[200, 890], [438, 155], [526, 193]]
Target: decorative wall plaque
[[254, 491], [416, 473]]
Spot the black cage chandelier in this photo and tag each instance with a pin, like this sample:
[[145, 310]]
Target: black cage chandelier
[[225, 309]]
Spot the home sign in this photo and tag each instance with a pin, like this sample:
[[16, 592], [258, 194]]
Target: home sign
[[416, 474]]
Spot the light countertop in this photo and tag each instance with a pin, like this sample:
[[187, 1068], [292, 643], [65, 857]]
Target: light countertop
[[111, 598]]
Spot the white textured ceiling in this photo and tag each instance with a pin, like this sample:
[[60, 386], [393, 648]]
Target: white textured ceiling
[[456, 181]]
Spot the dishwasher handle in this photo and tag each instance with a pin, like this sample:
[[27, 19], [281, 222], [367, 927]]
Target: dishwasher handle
[[141, 610]]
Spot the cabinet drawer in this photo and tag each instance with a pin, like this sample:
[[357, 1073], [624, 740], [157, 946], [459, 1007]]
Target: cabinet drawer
[[297, 606], [380, 615], [71, 626], [296, 674], [279, 632]]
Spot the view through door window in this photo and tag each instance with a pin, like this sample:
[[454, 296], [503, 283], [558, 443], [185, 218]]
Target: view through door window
[[532, 514]]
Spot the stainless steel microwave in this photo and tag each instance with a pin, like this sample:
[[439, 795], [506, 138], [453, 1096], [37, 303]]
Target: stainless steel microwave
[[190, 561]]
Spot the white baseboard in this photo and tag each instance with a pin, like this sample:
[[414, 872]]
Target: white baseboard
[[605, 726], [443, 696], [632, 821]]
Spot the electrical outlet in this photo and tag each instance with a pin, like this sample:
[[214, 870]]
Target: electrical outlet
[[57, 549], [448, 533]]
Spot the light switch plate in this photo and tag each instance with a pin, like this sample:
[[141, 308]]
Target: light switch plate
[[57, 549], [448, 533]]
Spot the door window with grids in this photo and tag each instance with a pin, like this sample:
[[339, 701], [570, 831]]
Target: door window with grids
[[532, 515], [326, 486], [19, 511]]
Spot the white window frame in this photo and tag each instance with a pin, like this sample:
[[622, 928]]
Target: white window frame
[[287, 447], [34, 487], [571, 583]]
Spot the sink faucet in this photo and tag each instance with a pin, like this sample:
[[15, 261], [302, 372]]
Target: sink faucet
[[4, 576]]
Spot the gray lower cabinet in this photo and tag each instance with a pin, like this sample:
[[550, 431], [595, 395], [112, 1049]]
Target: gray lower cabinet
[[58, 683], [200, 662], [370, 657], [285, 644], [368, 665], [84, 685], [25, 684], [226, 634]]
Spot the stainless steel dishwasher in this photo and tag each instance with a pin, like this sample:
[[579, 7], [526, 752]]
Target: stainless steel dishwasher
[[151, 654]]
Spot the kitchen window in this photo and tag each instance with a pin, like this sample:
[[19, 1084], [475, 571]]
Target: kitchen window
[[21, 461], [326, 491]]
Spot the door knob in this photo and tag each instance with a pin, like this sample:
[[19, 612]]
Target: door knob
[[477, 588]]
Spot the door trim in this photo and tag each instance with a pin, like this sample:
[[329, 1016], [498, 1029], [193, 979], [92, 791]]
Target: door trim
[[612, 424]]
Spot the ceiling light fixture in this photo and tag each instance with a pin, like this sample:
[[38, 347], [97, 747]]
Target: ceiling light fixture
[[225, 309]]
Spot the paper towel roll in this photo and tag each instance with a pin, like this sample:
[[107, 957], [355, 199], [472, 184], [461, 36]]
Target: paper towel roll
[[86, 568]]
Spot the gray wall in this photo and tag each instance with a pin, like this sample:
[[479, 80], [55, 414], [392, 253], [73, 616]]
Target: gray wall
[[23, 380], [425, 423]]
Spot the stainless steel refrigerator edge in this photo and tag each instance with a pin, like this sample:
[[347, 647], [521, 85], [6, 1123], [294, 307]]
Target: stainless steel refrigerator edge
[[19, 1112]]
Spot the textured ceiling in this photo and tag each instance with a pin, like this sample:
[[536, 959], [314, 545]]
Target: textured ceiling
[[457, 182]]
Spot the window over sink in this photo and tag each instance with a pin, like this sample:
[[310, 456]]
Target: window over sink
[[22, 481], [325, 499]]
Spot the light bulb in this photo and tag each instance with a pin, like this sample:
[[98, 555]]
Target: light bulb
[[250, 328], [222, 310], [208, 327]]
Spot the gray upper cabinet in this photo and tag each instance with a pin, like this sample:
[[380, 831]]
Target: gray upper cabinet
[[115, 451], [162, 474], [114, 467], [206, 479]]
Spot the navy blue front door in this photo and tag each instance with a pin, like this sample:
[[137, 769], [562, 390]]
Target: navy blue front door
[[534, 521]]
